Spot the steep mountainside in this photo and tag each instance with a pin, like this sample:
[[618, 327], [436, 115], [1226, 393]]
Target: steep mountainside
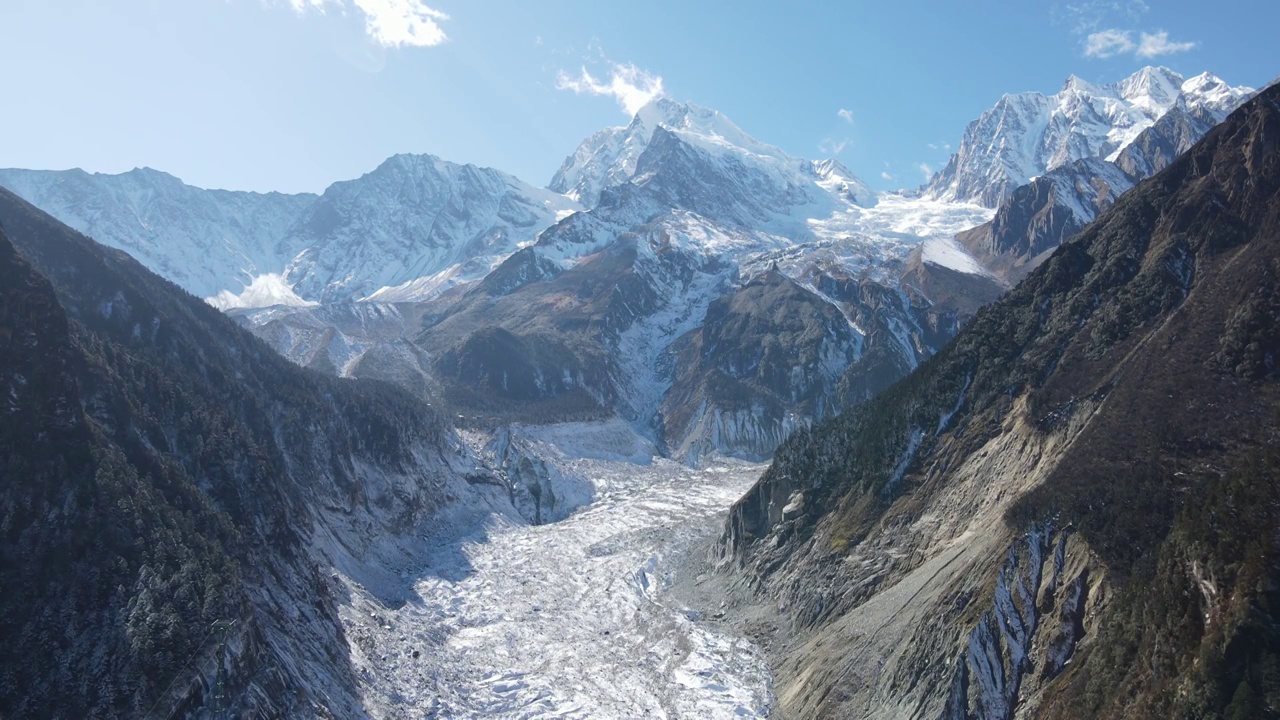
[[1205, 102], [576, 342], [1071, 511], [1028, 134], [176, 496]]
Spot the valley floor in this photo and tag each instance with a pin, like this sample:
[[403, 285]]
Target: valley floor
[[570, 619]]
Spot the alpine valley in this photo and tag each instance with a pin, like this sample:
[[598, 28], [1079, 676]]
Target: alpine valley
[[701, 429]]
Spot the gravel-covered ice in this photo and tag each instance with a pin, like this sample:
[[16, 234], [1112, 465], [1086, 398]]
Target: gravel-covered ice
[[568, 619]]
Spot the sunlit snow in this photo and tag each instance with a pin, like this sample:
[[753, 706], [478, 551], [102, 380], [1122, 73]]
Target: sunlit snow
[[266, 290], [950, 254]]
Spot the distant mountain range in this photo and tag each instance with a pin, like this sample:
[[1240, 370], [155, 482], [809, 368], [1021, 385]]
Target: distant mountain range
[[600, 287]]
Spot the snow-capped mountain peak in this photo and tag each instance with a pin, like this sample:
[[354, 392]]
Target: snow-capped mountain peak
[[695, 120], [832, 169], [609, 157], [410, 219], [1028, 134], [1076, 84], [1209, 92], [693, 158], [410, 228], [1151, 89]]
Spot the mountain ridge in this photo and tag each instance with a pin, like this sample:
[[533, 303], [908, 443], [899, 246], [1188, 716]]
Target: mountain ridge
[[1011, 529]]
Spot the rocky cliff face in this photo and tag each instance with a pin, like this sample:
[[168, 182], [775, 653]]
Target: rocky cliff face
[[177, 496], [1035, 522], [765, 361], [1037, 217]]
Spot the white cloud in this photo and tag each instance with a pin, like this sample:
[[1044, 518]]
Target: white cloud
[[884, 175], [1109, 43], [1157, 44], [845, 115], [628, 84], [926, 170], [396, 23], [391, 23]]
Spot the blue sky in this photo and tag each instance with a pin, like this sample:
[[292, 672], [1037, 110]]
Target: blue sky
[[294, 94]]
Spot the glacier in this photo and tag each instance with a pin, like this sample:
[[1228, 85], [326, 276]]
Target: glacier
[[496, 617]]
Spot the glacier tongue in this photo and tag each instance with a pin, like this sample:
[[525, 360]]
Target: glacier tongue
[[569, 619]]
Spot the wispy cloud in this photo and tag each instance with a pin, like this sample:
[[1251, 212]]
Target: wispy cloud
[[845, 115], [1086, 16], [833, 147], [628, 84], [1109, 43], [884, 175], [926, 170], [390, 23]]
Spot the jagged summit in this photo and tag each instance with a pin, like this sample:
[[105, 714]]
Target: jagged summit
[[610, 157], [1152, 88], [410, 219], [1028, 134]]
